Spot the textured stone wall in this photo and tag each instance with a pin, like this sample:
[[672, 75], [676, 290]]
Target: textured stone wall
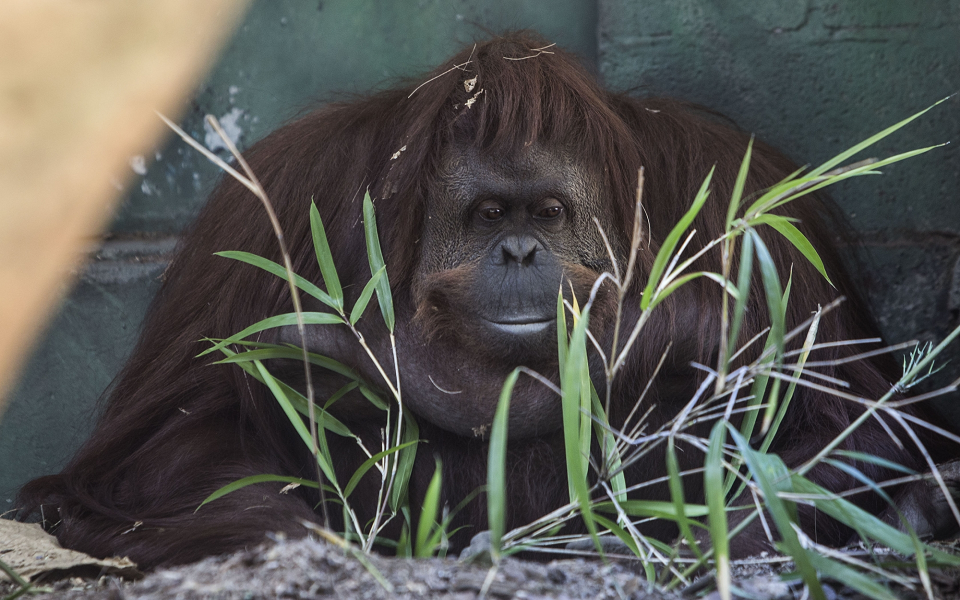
[[814, 77]]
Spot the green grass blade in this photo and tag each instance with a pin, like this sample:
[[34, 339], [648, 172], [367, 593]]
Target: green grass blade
[[373, 398], [795, 237], [836, 160], [769, 415], [859, 476], [713, 487], [366, 294], [586, 421], [561, 332], [287, 352], [676, 494], [773, 476], [404, 543], [689, 277], [780, 190], [428, 514], [856, 518], [24, 585], [340, 394], [743, 290], [299, 401], [497, 466], [776, 309], [861, 582], [771, 423], [325, 258], [670, 243], [295, 420], [923, 569], [658, 509], [375, 256], [244, 482], [772, 288], [571, 396], [368, 464], [737, 195], [284, 320], [775, 410], [870, 169], [618, 531], [608, 442], [785, 192], [278, 270], [875, 460], [747, 427], [405, 461], [788, 183]]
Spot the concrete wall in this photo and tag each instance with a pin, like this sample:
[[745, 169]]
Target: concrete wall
[[287, 57], [812, 77]]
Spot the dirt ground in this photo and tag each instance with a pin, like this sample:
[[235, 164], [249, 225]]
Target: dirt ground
[[309, 568]]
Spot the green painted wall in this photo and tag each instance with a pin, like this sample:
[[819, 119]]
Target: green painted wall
[[809, 76], [813, 77], [287, 57]]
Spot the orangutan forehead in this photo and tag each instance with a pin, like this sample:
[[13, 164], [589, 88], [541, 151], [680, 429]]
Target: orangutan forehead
[[530, 171]]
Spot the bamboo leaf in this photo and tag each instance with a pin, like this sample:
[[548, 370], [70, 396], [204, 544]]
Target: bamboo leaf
[[672, 239], [325, 258], [286, 352], [405, 460], [375, 257], [795, 237], [836, 160], [737, 195], [368, 464], [366, 294], [278, 270], [244, 482], [676, 494], [497, 466], [772, 476], [561, 332], [771, 286], [743, 291], [679, 281], [299, 401], [618, 531], [658, 509], [428, 514], [713, 486], [295, 420], [284, 320], [571, 395], [851, 577]]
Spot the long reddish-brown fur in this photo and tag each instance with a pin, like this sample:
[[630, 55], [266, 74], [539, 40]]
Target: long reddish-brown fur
[[175, 428]]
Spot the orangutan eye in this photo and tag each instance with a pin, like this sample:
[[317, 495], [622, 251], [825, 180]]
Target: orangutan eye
[[550, 210], [491, 212]]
